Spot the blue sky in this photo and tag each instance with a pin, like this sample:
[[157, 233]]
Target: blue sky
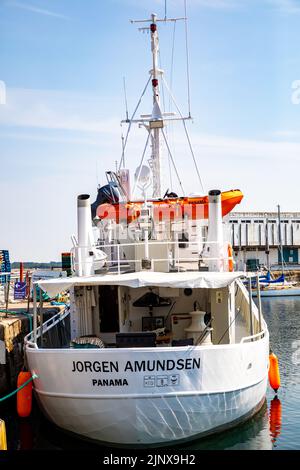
[[63, 62]]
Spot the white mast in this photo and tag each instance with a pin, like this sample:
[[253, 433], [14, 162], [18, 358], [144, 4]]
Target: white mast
[[154, 122], [156, 119]]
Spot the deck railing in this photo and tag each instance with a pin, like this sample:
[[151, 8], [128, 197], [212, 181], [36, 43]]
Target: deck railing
[[31, 339], [174, 260], [250, 313]]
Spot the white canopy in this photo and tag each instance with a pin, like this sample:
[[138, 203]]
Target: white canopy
[[191, 279]]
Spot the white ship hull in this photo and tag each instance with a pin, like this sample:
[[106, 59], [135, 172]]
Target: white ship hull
[[200, 390]]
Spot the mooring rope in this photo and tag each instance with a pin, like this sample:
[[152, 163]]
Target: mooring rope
[[34, 376]]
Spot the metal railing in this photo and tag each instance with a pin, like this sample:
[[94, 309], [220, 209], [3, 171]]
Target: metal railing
[[255, 337], [251, 314], [174, 258], [32, 337]]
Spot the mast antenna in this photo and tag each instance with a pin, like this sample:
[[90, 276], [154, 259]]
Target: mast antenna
[[155, 122], [97, 174], [187, 59], [156, 119], [125, 97]]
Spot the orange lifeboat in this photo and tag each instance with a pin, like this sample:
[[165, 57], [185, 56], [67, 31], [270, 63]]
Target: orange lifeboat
[[168, 209]]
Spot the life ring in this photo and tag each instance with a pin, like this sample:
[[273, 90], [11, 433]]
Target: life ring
[[230, 258]]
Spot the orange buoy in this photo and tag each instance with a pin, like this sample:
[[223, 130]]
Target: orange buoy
[[274, 375], [230, 258], [24, 396], [275, 418]]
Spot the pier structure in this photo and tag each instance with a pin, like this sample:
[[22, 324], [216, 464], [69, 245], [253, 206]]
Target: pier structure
[[257, 238], [15, 324]]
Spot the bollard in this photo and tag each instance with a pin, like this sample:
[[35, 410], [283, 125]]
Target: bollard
[[3, 442]]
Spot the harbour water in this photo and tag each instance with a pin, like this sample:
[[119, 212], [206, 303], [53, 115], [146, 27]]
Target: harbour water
[[276, 426]]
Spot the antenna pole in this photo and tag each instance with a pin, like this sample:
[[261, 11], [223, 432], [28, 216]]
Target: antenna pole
[[156, 163], [157, 118], [187, 59]]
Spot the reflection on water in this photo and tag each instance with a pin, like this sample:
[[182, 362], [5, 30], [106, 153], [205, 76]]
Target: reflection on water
[[275, 419], [253, 434], [275, 426]]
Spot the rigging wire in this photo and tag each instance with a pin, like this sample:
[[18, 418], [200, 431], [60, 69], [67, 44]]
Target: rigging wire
[[170, 173], [140, 167], [170, 154], [186, 133], [227, 329], [125, 97], [122, 161], [187, 59], [162, 87], [172, 62]]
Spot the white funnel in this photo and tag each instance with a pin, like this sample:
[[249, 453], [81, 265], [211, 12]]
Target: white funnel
[[85, 254], [215, 246]]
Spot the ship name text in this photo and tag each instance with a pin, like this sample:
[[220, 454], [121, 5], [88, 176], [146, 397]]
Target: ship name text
[[150, 365]]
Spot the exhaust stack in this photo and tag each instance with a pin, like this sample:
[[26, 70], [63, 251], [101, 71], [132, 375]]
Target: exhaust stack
[[85, 253], [215, 244]]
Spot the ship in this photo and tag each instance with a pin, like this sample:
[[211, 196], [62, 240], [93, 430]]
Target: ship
[[161, 342]]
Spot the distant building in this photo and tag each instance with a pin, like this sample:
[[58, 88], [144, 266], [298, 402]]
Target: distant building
[[255, 238]]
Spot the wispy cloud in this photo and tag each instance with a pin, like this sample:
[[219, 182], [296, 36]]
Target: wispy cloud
[[48, 110], [56, 110], [233, 148], [35, 9], [217, 4], [57, 138], [177, 5], [286, 6], [287, 134]]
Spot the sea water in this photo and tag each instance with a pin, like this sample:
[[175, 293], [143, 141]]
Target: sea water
[[276, 426]]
